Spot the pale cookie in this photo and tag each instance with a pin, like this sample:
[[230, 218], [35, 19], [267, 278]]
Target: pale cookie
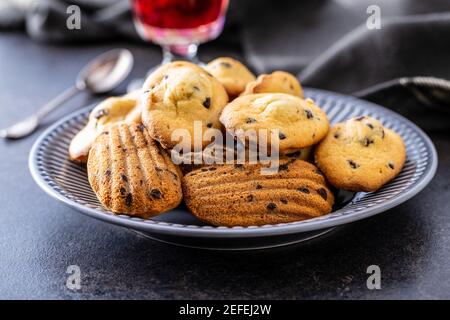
[[240, 195], [231, 73], [276, 82], [360, 155], [107, 112], [181, 95], [300, 122], [131, 174]]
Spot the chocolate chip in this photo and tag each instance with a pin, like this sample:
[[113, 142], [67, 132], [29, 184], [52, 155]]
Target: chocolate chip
[[336, 135], [156, 193], [323, 193], [124, 177], [391, 165], [258, 186], [196, 88], [226, 64], [309, 114], [250, 120], [282, 136], [108, 172], [353, 164], [141, 182], [367, 141], [141, 127], [204, 169], [250, 198], [105, 132], [317, 171], [122, 190], [239, 166], [304, 190], [158, 169], [124, 149], [295, 154], [207, 102], [283, 167], [360, 118], [129, 200], [209, 125], [271, 206], [166, 77], [284, 201], [369, 125]]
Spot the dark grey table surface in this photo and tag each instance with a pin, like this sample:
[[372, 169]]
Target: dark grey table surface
[[40, 238]]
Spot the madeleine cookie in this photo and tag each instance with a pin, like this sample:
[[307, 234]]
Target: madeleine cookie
[[300, 122], [108, 112], [276, 82], [239, 195], [181, 95], [231, 73], [360, 155], [131, 174]]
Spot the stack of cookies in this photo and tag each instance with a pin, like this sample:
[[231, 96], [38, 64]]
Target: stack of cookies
[[130, 143]]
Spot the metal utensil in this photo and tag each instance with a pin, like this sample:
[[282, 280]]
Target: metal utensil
[[101, 75]]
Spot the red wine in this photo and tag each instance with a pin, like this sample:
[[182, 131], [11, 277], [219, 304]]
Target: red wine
[[178, 14]]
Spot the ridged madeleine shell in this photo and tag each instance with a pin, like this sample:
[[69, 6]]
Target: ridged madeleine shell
[[131, 174], [240, 195]]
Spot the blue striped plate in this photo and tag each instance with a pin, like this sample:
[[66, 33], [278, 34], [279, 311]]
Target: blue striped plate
[[67, 182]]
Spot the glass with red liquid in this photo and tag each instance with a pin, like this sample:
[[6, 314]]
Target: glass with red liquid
[[179, 26]]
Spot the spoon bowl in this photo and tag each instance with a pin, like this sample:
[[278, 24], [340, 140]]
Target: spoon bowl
[[105, 72]]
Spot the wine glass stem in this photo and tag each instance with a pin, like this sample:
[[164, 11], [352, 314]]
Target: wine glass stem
[[180, 52]]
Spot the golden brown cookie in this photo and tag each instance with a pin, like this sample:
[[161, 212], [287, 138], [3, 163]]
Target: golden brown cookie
[[360, 155], [106, 113], [231, 73], [300, 122], [276, 82], [176, 96], [131, 174], [239, 195]]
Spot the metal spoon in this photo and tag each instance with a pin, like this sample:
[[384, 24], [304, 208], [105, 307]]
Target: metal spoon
[[101, 75]]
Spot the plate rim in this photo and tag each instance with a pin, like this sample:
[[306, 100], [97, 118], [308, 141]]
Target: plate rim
[[161, 227]]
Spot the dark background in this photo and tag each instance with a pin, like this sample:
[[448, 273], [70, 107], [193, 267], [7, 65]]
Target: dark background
[[40, 238]]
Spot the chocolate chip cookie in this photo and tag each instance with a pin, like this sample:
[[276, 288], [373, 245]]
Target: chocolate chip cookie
[[231, 73], [181, 95], [276, 82], [300, 122], [110, 111], [360, 155]]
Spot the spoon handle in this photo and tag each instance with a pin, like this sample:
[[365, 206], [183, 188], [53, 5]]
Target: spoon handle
[[56, 102], [27, 126]]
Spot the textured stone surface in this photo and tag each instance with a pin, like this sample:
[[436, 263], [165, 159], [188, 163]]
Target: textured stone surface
[[39, 237]]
